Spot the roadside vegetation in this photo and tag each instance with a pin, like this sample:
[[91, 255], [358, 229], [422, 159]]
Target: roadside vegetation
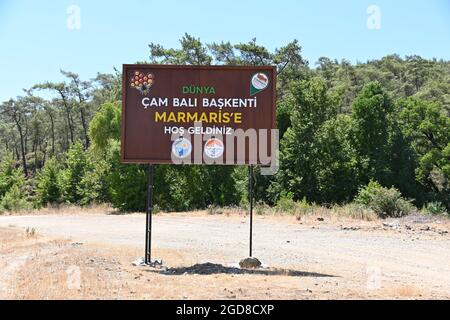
[[369, 139]]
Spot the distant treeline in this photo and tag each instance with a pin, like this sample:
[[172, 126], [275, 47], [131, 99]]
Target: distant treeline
[[341, 126]]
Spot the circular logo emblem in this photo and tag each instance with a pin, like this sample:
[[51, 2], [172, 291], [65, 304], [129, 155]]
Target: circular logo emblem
[[260, 81], [142, 82], [182, 148], [214, 148]]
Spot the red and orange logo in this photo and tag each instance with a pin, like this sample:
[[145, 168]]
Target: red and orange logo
[[142, 82]]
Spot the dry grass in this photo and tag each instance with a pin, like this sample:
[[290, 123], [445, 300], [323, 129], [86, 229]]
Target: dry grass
[[311, 212], [304, 213], [66, 209], [314, 212], [353, 212], [402, 292]]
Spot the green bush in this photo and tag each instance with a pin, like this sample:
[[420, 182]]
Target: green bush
[[128, 188], [71, 176], [14, 200], [436, 208], [303, 207], [83, 181], [93, 187], [7, 175], [47, 186], [127, 185], [105, 126], [385, 202], [286, 203], [13, 190]]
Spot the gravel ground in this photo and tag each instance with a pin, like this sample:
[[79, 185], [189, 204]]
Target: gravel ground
[[403, 258]]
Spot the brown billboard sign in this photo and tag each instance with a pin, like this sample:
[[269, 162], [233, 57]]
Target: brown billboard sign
[[198, 114]]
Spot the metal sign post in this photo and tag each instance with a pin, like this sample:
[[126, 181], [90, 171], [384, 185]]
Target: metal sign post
[[148, 212], [250, 191]]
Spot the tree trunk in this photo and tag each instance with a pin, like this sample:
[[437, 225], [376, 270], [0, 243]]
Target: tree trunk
[[6, 145], [85, 128], [52, 128], [17, 153], [53, 134], [26, 139], [69, 124], [68, 116], [22, 148], [44, 153], [81, 100], [35, 147]]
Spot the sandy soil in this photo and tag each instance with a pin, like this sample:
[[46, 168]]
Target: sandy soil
[[85, 256]]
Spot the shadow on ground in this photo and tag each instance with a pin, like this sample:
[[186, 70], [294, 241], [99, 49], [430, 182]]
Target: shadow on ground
[[211, 268]]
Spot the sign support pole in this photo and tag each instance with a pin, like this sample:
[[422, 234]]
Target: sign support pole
[[250, 191], [148, 213]]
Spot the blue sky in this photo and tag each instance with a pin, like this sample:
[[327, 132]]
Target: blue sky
[[35, 42]]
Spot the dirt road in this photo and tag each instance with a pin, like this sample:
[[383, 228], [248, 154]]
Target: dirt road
[[406, 259]]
